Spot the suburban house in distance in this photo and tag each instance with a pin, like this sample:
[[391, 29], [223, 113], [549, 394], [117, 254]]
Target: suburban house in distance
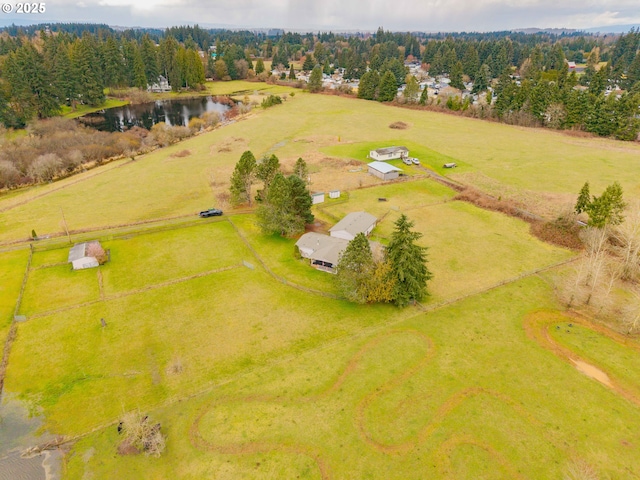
[[323, 251], [389, 153], [383, 170], [81, 257], [161, 85]]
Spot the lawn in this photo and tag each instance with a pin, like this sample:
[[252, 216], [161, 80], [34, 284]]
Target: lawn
[[402, 402], [12, 267], [80, 110], [428, 157]]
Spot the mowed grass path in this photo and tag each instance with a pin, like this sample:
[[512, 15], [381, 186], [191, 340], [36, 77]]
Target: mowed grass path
[[448, 394], [159, 185]]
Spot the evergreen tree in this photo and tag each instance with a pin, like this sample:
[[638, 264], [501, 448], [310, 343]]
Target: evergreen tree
[[388, 88], [355, 268], [456, 76], [301, 201], [139, 76], [31, 90], [424, 95], [259, 66], [315, 80], [482, 79], [149, 55], [168, 59], [326, 68], [309, 63], [408, 262], [368, 87], [607, 209], [242, 179], [584, 199], [65, 82], [412, 90], [86, 68], [292, 73], [266, 170], [287, 207], [300, 169], [113, 63]]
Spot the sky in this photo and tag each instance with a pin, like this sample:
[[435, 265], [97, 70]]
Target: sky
[[337, 15]]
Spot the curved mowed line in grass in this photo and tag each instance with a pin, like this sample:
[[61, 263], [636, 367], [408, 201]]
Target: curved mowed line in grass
[[276, 404], [449, 446], [538, 326]]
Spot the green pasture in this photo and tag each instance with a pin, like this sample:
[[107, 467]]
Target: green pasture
[[453, 393], [148, 259], [277, 253], [83, 375], [55, 287], [428, 157], [469, 248], [404, 196], [619, 361], [12, 267], [160, 184]]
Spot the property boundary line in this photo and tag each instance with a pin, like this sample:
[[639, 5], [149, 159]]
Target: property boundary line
[[13, 330], [280, 279]]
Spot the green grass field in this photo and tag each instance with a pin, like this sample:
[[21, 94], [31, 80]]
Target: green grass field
[[256, 370], [12, 268]]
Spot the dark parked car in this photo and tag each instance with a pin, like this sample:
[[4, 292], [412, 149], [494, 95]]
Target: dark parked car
[[212, 212]]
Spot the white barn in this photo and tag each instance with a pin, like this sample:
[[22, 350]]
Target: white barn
[[79, 257], [383, 170], [389, 153], [353, 224]]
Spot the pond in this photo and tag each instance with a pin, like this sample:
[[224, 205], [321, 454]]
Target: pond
[[146, 115]]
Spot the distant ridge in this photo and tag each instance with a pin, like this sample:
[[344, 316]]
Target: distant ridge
[[612, 28]]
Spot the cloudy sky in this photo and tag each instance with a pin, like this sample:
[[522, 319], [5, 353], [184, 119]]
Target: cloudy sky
[[399, 15]]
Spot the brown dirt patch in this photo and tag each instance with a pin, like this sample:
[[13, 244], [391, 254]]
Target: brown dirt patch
[[181, 154], [399, 126], [537, 325], [126, 448]]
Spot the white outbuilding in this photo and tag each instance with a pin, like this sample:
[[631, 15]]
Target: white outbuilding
[[383, 170], [80, 258]]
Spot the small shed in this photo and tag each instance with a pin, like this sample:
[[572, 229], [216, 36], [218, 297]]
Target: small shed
[[334, 194], [80, 258], [317, 198], [383, 170], [389, 153]]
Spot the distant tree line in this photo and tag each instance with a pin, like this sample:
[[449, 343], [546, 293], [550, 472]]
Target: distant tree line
[[527, 72]]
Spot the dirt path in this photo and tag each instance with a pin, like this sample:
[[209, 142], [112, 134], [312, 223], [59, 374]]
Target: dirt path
[[537, 326]]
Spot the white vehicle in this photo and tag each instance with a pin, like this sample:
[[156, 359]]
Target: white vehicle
[[406, 161], [415, 161]]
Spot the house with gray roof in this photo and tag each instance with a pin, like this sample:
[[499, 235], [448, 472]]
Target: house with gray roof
[[383, 170], [323, 251], [353, 224], [80, 258], [389, 153]]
